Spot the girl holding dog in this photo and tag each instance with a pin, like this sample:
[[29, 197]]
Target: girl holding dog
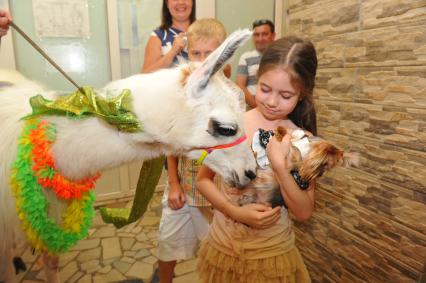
[[284, 97]]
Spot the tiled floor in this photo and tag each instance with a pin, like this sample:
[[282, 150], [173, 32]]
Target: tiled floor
[[113, 255]]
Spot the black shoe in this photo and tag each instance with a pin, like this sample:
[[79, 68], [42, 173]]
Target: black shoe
[[19, 265], [156, 276]]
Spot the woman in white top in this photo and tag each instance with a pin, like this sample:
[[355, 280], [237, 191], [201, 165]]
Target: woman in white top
[[168, 41]]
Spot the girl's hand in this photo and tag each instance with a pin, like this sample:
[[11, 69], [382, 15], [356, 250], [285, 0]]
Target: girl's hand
[[278, 153], [256, 215], [176, 197], [179, 42]]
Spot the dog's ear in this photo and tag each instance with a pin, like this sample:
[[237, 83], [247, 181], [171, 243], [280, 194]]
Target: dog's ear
[[279, 133], [322, 157]]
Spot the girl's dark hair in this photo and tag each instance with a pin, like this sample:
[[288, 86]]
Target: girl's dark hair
[[166, 17], [297, 57]]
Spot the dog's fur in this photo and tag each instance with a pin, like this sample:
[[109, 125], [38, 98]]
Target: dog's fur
[[179, 109], [322, 157]]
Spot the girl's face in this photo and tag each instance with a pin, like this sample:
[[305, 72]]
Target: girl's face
[[180, 9], [276, 97]]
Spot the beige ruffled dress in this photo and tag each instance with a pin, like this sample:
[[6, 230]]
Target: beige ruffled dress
[[234, 252]]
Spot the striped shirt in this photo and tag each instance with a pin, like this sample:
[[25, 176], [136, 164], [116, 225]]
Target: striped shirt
[[167, 37], [248, 66], [187, 170]]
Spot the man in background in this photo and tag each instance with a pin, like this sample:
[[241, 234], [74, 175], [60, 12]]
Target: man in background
[[263, 34]]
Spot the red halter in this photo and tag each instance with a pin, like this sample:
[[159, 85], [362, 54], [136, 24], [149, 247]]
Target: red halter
[[207, 150]]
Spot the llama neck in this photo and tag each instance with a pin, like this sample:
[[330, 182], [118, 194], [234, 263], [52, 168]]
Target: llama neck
[[162, 108], [83, 148], [87, 146]]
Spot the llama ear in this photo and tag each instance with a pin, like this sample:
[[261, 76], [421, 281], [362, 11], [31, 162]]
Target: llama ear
[[200, 77]]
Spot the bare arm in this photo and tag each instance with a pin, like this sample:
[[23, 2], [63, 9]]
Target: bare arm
[[300, 203], [153, 59], [176, 196], [254, 215], [242, 82]]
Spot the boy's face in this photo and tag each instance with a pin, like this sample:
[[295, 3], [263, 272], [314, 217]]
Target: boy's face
[[200, 48]]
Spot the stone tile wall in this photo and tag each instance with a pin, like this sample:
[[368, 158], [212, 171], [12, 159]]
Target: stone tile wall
[[370, 223]]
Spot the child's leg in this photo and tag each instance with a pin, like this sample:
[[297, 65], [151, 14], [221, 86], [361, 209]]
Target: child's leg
[[177, 239], [166, 269]]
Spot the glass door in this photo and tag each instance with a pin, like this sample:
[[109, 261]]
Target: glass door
[[73, 33], [136, 21]]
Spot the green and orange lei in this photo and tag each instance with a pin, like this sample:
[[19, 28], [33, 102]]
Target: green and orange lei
[[33, 172]]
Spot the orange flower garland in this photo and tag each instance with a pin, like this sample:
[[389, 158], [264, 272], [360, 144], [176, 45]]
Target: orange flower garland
[[34, 168], [45, 172]]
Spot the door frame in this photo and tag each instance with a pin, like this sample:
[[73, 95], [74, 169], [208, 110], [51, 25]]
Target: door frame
[[280, 7], [7, 52], [113, 36]]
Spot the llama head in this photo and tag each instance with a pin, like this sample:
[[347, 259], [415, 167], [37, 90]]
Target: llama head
[[217, 105]]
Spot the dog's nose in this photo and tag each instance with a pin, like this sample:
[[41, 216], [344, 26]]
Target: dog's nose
[[250, 174]]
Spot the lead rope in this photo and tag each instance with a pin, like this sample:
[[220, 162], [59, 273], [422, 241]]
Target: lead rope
[[50, 60]]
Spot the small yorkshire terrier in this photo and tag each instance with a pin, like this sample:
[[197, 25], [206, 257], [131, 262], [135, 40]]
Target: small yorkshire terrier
[[310, 157]]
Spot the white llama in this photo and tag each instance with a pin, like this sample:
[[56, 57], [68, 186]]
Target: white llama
[[180, 110]]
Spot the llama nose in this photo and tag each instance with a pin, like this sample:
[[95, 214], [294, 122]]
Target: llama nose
[[250, 174]]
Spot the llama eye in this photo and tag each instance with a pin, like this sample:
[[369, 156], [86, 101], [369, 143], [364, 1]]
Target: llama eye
[[225, 131], [218, 129]]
